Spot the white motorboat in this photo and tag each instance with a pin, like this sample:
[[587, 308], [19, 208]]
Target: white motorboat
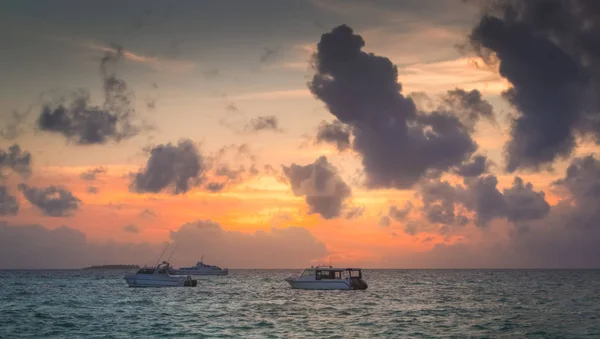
[[158, 277], [200, 269], [328, 278]]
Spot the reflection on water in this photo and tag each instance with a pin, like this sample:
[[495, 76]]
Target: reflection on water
[[258, 303]]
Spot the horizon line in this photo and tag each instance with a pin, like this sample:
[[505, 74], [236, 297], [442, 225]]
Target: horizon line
[[280, 269]]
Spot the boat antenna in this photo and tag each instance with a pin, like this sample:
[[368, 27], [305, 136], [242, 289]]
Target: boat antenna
[[163, 252], [176, 247]]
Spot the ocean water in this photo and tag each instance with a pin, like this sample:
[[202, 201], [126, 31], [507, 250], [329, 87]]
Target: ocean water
[[259, 304]]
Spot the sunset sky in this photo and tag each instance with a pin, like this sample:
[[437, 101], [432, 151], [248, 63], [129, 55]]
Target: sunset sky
[[281, 134]]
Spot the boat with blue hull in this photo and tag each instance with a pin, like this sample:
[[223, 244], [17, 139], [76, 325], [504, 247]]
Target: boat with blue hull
[[328, 278]]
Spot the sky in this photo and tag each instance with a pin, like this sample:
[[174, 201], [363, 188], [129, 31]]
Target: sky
[[271, 134]]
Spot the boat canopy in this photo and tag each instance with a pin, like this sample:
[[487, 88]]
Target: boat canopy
[[329, 268], [328, 272]]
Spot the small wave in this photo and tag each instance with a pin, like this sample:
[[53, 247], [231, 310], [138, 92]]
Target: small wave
[[40, 315], [265, 323]]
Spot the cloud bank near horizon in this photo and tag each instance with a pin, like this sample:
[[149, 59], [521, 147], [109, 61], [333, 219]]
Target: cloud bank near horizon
[[35, 246]]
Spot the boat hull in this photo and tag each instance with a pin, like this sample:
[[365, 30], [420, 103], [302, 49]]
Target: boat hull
[[320, 284], [136, 281]]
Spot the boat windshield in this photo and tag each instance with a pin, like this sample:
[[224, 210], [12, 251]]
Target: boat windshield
[[146, 271], [329, 274], [308, 273]]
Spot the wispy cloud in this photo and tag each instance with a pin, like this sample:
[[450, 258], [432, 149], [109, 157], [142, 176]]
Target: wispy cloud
[[308, 48], [298, 57], [294, 65], [152, 62], [444, 75], [274, 95], [432, 77]]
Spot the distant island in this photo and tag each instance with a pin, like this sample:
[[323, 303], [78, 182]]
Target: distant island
[[111, 267]]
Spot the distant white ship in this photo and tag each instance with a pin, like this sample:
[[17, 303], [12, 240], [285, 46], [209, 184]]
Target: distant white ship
[[328, 278], [158, 277], [200, 269]]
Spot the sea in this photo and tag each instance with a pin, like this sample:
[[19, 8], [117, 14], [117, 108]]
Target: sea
[[260, 304]]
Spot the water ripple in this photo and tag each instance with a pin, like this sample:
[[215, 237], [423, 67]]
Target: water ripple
[[256, 304]]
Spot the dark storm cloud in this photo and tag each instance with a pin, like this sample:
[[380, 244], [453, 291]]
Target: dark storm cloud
[[549, 52], [179, 167], [16, 160], [397, 145], [54, 201], [567, 237], [324, 190], [9, 205], [483, 197], [580, 212], [523, 203], [582, 179], [469, 106], [83, 123], [92, 190], [90, 175], [334, 133], [262, 123], [475, 167], [439, 202], [518, 203]]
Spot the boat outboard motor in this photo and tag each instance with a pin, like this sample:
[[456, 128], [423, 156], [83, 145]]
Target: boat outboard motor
[[358, 284], [189, 282]]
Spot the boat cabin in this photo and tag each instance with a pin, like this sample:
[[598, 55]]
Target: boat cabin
[[199, 264], [146, 270], [330, 273], [162, 268]]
